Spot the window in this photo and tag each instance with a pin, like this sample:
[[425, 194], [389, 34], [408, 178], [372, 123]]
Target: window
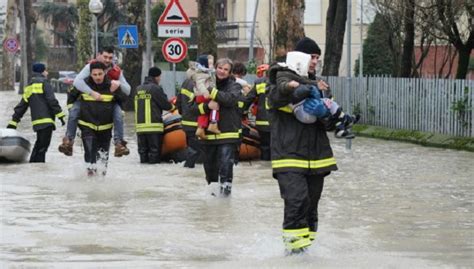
[[221, 10]]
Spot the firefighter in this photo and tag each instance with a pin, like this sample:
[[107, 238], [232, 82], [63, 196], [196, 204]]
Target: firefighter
[[96, 118], [119, 84], [150, 101], [44, 107], [220, 148], [301, 154], [258, 96]]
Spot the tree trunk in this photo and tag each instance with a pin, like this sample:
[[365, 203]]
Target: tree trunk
[[463, 62], [84, 36], [133, 57], [30, 20], [288, 25], [335, 30], [8, 63], [409, 40], [207, 41]]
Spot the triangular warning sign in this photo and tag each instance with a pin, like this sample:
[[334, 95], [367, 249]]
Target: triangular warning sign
[[128, 39], [174, 15]]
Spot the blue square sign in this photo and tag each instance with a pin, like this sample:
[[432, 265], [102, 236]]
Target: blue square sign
[[128, 36]]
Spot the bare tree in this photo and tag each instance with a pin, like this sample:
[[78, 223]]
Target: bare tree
[[409, 38], [335, 30], [289, 27], [207, 41], [8, 63]]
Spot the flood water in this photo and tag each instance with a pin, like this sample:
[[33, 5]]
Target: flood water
[[391, 205]]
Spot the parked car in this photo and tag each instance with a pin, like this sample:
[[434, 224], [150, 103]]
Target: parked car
[[67, 77]]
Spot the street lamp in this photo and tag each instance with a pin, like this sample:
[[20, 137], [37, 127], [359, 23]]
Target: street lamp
[[96, 7]]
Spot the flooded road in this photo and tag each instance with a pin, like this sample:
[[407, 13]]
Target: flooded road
[[391, 205]]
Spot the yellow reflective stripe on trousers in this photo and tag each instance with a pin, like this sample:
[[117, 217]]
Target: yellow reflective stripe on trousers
[[311, 164], [189, 123], [14, 123], [262, 123], [35, 88], [296, 232], [69, 106], [223, 136], [286, 109], [95, 127], [188, 93], [105, 98], [42, 121], [261, 88]]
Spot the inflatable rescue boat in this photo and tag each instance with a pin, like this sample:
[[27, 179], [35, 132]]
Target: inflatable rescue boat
[[14, 147]]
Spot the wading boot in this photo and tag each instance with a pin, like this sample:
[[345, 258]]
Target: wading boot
[[66, 146]]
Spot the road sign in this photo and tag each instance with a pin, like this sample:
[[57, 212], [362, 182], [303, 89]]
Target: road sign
[[174, 22], [127, 36], [11, 45], [174, 50]]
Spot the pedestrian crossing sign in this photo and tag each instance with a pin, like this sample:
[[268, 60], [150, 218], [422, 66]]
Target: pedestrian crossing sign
[[128, 36]]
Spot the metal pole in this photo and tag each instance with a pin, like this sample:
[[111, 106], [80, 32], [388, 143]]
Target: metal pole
[[96, 36], [252, 32], [349, 24], [148, 35], [361, 58], [174, 79]]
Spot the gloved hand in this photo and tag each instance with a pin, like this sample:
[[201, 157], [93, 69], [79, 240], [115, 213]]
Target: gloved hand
[[62, 121], [315, 93], [315, 107], [11, 126]]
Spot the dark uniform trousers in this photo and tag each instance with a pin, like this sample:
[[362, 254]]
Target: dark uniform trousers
[[265, 154], [43, 139], [149, 147], [301, 194], [194, 150], [96, 143], [218, 162]]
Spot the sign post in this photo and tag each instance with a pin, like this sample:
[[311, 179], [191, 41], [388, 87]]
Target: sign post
[[174, 23]]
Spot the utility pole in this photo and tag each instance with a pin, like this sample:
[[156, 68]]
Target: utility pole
[[148, 60], [348, 88], [23, 46], [252, 32], [361, 57]]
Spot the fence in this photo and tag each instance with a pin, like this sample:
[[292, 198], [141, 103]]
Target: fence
[[441, 106], [431, 105]]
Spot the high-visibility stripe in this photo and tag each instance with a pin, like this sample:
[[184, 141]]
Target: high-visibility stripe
[[296, 232], [14, 123], [60, 114], [213, 93], [147, 112], [296, 238], [223, 136], [188, 93], [35, 88], [267, 105], [189, 123], [105, 98], [149, 127], [95, 127], [311, 164], [261, 88], [201, 109], [69, 106], [42, 121], [240, 104], [136, 110], [262, 123], [286, 109]]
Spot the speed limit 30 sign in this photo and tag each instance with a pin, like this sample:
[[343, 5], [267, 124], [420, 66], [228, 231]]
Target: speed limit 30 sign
[[174, 50]]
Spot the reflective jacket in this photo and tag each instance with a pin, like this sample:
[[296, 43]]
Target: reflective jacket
[[150, 101], [259, 93], [184, 103], [295, 146], [39, 97], [227, 93], [97, 115]]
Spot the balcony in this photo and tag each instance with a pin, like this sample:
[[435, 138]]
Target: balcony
[[226, 32]]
